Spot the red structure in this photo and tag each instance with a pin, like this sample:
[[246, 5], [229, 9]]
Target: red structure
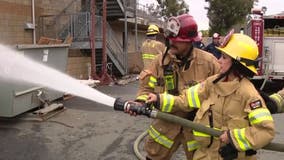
[[104, 77], [255, 30]]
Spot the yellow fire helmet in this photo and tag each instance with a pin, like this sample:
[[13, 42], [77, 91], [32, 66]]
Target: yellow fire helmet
[[241, 48], [152, 29]]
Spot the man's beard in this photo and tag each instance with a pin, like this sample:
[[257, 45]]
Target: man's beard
[[173, 46]]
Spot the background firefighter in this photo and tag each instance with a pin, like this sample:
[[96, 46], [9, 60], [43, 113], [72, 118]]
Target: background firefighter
[[179, 67], [229, 102], [212, 47], [199, 44], [151, 47]]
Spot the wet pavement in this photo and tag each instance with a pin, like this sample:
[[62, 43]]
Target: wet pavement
[[87, 130]]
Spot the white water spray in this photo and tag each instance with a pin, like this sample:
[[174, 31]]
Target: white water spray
[[17, 67]]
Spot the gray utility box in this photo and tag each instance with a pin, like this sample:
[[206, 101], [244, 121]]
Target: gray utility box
[[16, 97]]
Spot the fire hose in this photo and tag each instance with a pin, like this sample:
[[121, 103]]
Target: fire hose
[[122, 105]]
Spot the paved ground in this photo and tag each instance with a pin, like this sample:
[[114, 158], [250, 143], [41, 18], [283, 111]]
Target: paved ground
[[86, 131]]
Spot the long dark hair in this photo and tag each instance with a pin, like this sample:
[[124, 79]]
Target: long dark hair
[[237, 69]]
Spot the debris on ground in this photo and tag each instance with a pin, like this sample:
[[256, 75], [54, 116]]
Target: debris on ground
[[90, 82], [127, 79]]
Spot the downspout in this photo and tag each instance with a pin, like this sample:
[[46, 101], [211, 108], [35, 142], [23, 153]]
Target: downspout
[[136, 40], [125, 38], [104, 56], [105, 77], [93, 39], [33, 21]]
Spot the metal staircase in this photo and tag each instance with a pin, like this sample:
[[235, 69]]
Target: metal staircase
[[116, 8], [78, 26]]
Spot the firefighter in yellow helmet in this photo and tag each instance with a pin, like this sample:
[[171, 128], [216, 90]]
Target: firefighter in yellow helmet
[[179, 67], [151, 47], [229, 102]]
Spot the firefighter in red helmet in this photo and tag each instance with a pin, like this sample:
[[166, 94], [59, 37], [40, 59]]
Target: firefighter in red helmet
[[179, 67]]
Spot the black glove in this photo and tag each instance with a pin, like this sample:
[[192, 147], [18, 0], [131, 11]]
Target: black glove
[[155, 104], [228, 152], [270, 103]]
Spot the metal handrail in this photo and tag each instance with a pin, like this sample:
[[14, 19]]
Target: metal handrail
[[79, 28], [115, 46]]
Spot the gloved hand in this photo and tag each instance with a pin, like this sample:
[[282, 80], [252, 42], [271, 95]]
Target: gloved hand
[[279, 101], [228, 152], [270, 102], [136, 108], [154, 99], [131, 104]]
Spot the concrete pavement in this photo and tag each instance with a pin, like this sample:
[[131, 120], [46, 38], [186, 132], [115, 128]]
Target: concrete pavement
[[86, 131]]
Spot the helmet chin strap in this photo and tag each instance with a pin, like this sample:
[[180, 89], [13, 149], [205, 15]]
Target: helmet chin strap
[[184, 60]]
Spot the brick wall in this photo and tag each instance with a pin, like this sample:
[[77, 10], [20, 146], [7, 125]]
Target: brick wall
[[77, 66], [135, 63], [53, 16], [14, 14]]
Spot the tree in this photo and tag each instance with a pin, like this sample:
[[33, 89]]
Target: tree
[[223, 14], [168, 8]]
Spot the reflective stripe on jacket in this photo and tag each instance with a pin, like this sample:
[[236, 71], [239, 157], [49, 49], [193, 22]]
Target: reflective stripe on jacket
[[142, 98], [192, 96], [148, 56], [149, 50], [192, 145], [152, 82], [166, 142], [159, 138]]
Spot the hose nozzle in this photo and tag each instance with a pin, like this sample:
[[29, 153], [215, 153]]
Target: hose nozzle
[[120, 104], [138, 108]]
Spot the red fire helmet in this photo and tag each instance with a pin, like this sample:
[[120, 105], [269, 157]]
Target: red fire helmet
[[182, 28]]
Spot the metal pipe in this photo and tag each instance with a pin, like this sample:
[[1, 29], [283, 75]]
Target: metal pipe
[[136, 36], [93, 39], [33, 21], [125, 37], [104, 56], [27, 91]]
